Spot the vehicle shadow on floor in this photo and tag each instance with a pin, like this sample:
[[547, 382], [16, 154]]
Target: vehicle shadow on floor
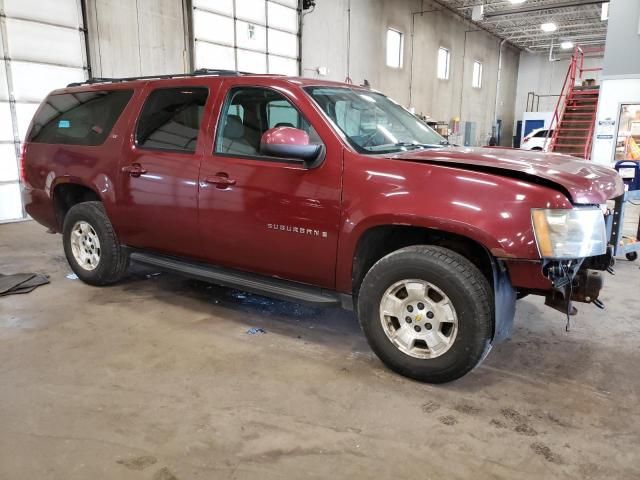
[[279, 316], [530, 355]]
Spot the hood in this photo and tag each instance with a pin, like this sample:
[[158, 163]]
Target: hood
[[584, 182]]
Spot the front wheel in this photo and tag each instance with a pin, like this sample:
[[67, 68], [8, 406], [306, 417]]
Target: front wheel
[[427, 313]]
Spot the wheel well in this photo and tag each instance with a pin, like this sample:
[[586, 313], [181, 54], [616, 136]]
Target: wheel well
[[377, 242], [537, 148], [67, 195]]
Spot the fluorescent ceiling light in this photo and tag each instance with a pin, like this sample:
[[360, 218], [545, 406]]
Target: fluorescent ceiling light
[[605, 12], [566, 45], [515, 2], [549, 27]]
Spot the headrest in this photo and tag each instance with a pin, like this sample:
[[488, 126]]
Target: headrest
[[233, 128]]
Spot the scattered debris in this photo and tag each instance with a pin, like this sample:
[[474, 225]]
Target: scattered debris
[[72, 276], [497, 423], [467, 409], [448, 420], [545, 452], [256, 331], [138, 463], [430, 407], [246, 298], [164, 474]]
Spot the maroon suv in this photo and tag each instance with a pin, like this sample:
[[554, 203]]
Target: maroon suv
[[322, 193]]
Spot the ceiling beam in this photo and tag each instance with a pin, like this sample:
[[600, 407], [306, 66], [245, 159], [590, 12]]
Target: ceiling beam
[[558, 34], [561, 16], [548, 35], [545, 47], [538, 8], [561, 29], [575, 39]]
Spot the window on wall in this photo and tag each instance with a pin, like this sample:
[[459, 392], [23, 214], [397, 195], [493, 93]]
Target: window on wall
[[477, 75], [443, 63], [258, 36], [395, 46]]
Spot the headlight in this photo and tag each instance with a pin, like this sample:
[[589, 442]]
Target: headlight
[[574, 233]]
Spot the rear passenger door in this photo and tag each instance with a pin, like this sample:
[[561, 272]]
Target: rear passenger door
[[159, 175]]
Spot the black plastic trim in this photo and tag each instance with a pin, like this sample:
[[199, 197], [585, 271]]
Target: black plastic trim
[[250, 282], [201, 72], [307, 164]]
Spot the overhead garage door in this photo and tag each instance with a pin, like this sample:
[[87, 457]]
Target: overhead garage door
[[259, 36], [42, 48]]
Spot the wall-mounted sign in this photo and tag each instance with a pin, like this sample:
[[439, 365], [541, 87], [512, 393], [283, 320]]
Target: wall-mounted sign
[[606, 128]]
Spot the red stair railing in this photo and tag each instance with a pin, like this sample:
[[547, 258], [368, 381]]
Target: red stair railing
[[575, 72]]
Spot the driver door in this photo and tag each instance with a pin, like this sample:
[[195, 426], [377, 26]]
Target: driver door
[[263, 214]]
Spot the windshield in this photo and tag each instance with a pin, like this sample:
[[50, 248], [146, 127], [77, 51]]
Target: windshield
[[372, 122]]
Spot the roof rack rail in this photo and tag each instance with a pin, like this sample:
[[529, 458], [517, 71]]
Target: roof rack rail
[[196, 73]]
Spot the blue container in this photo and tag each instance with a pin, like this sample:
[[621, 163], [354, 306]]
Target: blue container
[[630, 172]]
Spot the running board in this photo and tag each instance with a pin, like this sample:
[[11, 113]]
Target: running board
[[249, 282]]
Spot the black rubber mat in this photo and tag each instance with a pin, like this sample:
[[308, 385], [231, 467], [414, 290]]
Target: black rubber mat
[[21, 282]]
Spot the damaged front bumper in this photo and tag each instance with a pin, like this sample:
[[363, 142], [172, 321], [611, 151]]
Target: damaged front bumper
[[577, 280]]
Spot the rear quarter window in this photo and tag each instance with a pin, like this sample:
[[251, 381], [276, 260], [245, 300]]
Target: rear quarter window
[[82, 118]]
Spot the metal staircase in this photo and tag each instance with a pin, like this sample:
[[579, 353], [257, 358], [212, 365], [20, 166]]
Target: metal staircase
[[574, 118]]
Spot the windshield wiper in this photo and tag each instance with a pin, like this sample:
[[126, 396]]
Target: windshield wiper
[[417, 145]]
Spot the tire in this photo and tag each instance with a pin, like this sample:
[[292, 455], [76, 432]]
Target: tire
[[632, 256], [449, 277], [106, 262]]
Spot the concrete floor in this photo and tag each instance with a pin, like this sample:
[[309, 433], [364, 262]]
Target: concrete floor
[[156, 378]]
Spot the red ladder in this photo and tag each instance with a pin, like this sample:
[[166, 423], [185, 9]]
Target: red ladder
[[574, 118]]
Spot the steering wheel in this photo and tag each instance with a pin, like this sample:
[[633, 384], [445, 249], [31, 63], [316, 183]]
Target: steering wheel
[[369, 139]]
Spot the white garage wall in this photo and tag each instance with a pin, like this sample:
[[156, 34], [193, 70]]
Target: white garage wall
[[131, 38], [258, 36], [327, 31], [42, 47]]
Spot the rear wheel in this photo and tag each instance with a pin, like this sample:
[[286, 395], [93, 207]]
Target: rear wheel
[[426, 313], [632, 256], [91, 246]]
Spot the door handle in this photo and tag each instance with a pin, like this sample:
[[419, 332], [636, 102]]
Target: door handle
[[134, 170], [222, 180]]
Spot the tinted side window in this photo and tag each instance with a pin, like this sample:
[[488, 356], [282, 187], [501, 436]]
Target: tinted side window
[[170, 119], [83, 118], [541, 134], [251, 111]]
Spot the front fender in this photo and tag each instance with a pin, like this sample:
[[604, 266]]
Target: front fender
[[492, 210]]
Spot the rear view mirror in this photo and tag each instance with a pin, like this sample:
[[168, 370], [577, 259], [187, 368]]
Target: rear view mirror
[[289, 142]]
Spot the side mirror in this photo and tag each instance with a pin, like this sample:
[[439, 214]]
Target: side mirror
[[289, 142]]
